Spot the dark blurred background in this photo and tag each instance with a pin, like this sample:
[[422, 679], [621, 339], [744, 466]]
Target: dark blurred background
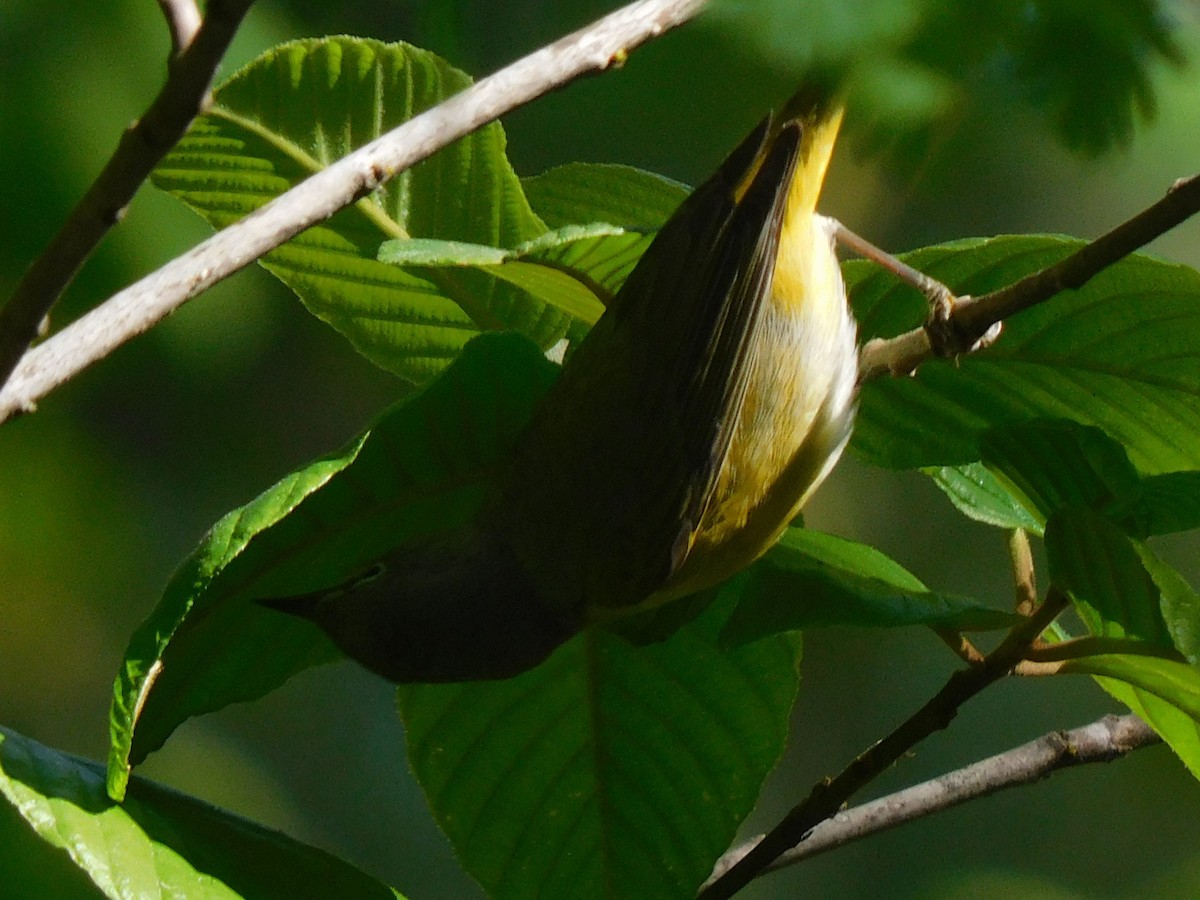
[[118, 475]]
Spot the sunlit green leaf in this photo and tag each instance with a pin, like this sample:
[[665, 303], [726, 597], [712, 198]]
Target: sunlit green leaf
[[1175, 682], [1180, 730], [567, 268], [158, 843], [302, 106], [978, 494]]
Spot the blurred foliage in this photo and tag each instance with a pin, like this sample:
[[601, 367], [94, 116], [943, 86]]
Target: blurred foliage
[[1087, 67], [112, 482]]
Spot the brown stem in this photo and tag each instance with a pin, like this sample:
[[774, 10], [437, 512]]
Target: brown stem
[[972, 317], [1024, 579], [961, 645], [183, 96], [828, 796]]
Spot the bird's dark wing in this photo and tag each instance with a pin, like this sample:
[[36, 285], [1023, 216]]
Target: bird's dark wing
[[609, 481]]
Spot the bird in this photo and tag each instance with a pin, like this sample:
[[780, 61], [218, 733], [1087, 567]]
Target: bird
[[683, 435]]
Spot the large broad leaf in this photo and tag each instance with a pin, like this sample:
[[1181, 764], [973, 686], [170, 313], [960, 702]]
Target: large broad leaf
[[303, 105], [1121, 354], [1098, 565], [155, 844], [810, 579], [610, 770], [424, 466]]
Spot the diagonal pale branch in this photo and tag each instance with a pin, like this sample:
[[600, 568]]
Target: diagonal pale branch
[[138, 307], [183, 96], [1104, 740], [973, 316]]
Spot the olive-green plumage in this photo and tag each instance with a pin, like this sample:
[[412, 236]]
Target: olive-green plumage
[[683, 435]]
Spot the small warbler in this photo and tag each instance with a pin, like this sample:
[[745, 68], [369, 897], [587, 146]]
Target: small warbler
[[686, 431]]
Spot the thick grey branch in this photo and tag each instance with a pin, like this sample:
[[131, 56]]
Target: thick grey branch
[[183, 96], [140, 306], [1104, 740]]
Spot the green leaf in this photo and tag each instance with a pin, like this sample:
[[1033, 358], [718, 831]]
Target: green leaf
[[1088, 65], [1180, 604], [810, 579], [1176, 727], [1045, 465], [1098, 565], [609, 770], [1175, 682], [1120, 354], [1159, 504], [428, 252], [626, 197], [576, 268], [302, 106], [424, 466], [979, 495], [158, 843], [1054, 464]]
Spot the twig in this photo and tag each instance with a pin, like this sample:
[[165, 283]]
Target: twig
[[138, 307], [938, 295], [1024, 579], [974, 316], [183, 96], [827, 798], [1101, 741], [960, 645], [183, 21]]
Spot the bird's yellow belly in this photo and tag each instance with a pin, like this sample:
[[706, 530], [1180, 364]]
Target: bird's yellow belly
[[792, 424]]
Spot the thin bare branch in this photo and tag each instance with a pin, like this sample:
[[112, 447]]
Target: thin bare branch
[[939, 296], [827, 797], [183, 96], [183, 21], [972, 317], [1104, 740], [138, 307]]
